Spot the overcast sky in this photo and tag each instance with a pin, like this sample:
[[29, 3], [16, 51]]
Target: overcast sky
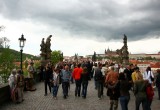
[[82, 26]]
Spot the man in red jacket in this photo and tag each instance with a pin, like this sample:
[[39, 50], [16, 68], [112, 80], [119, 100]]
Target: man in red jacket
[[77, 77]]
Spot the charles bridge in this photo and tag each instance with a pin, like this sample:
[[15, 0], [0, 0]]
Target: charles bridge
[[36, 100]]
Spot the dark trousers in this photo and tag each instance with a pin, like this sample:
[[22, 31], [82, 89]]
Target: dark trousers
[[78, 87], [72, 80], [158, 92], [149, 104], [142, 100], [124, 102], [100, 89], [46, 82], [84, 89], [65, 87], [95, 83]]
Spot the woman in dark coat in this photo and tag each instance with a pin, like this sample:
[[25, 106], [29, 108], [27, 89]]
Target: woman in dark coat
[[124, 91], [84, 78]]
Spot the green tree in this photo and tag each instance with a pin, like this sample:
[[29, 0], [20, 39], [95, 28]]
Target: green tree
[[6, 63], [56, 56], [3, 42]]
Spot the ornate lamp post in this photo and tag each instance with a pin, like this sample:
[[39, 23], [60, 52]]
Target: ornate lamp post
[[21, 45]]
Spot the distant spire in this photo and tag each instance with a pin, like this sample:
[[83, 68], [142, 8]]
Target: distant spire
[[108, 50]]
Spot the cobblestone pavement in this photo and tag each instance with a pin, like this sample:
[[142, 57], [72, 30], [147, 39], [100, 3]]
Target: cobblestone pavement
[[37, 101]]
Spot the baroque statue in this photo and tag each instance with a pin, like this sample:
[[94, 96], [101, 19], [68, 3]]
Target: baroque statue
[[46, 48], [123, 52]]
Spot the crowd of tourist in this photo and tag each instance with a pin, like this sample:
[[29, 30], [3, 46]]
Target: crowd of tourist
[[119, 81]]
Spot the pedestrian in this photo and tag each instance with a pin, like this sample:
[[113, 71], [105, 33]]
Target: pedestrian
[[124, 91], [140, 93], [158, 82], [66, 76], [148, 75], [128, 74], [47, 77], [55, 82], [85, 76], [136, 75], [20, 85], [72, 68], [77, 77], [99, 80], [13, 85], [93, 70], [31, 72], [113, 90], [150, 94], [121, 69]]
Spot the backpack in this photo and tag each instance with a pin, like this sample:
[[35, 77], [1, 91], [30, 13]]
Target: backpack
[[98, 75]]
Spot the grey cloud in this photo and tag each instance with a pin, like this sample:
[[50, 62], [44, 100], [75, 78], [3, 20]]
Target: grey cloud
[[100, 19]]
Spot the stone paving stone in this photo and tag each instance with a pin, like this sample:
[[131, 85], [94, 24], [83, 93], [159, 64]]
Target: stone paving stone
[[37, 101]]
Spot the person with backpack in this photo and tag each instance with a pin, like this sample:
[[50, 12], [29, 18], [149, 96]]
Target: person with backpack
[[113, 90], [99, 80]]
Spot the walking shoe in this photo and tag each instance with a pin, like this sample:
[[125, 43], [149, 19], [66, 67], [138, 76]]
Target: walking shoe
[[64, 97]]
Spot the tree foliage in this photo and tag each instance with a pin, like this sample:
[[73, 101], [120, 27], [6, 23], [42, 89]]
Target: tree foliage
[[6, 63], [56, 56], [3, 42]]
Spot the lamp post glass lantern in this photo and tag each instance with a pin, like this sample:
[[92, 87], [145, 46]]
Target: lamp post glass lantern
[[22, 41]]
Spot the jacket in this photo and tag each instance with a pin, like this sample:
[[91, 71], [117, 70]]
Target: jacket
[[77, 73]]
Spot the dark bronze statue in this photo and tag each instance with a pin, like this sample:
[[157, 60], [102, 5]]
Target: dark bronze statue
[[123, 52], [45, 48]]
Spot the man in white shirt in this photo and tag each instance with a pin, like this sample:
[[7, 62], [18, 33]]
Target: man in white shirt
[[121, 69]]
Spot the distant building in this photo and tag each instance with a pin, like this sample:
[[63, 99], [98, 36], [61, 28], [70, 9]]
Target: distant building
[[110, 53], [143, 55]]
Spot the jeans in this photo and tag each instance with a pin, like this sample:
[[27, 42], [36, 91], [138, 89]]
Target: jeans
[[124, 102], [65, 88], [142, 100], [100, 89], [84, 89], [78, 87], [55, 90]]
